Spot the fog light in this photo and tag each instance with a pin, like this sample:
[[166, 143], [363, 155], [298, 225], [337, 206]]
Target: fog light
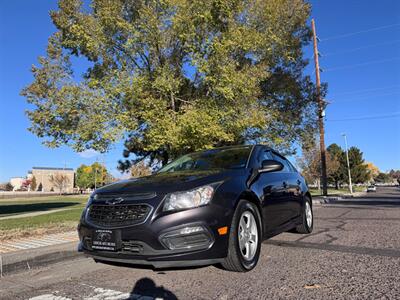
[[188, 230], [189, 237]]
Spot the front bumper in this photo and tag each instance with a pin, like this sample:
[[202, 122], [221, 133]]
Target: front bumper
[[166, 240]]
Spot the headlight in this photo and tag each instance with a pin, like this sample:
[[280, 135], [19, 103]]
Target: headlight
[[189, 199]]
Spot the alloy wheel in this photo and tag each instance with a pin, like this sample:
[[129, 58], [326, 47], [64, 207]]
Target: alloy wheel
[[309, 216], [248, 235]]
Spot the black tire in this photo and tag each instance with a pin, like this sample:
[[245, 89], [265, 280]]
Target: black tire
[[303, 227], [235, 261]]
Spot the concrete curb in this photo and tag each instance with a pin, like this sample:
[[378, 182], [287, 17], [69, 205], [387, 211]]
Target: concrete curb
[[29, 259], [331, 199], [325, 200]]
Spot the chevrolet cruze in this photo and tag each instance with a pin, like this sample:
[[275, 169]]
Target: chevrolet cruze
[[209, 207]]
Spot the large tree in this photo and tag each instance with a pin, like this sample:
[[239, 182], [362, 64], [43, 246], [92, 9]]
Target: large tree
[[373, 171], [174, 76], [84, 177], [340, 175], [310, 164], [95, 175], [358, 168]]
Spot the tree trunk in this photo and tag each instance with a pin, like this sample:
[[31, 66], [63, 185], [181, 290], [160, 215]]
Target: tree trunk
[[165, 158]]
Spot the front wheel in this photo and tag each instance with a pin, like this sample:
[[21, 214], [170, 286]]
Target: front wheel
[[307, 218], [244, 238]]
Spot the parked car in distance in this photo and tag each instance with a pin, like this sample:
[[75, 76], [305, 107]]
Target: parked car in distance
[[371, 188], [209, 207]]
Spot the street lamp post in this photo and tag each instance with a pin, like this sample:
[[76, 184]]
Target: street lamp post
[[348, 163]]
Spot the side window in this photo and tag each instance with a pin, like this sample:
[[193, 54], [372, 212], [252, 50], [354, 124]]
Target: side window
[[264, 155], [286, 167]]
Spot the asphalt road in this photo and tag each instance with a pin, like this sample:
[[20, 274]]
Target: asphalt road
[[353, 253]]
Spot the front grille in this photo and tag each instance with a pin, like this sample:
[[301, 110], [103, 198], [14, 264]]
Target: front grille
[[118, 215]]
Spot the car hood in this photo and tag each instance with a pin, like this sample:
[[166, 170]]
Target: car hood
[[162, 183]]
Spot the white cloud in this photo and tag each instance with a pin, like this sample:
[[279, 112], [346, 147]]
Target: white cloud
[[89, 153]]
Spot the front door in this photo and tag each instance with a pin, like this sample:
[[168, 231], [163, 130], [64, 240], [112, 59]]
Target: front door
[[273, 191]]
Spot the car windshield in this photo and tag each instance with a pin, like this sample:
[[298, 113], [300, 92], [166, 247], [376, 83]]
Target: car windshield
[[223, 158]]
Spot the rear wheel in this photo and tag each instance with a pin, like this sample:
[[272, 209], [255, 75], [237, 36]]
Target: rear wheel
[[244, 238], [307, 218]]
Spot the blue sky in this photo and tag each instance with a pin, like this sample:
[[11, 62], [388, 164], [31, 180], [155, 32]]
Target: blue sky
[[360, 46]]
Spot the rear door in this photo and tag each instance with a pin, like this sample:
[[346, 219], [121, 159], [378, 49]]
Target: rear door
[[298, 182]]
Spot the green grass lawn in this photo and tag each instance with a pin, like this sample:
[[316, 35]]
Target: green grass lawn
[[53, 222]]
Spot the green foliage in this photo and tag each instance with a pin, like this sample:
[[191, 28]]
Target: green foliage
[[84, 177], [340, 175], [358, 167], [359, 170], [91, 176], [174, 76]]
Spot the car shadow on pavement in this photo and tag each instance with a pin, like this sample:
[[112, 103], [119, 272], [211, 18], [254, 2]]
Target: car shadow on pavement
[[146, 287]]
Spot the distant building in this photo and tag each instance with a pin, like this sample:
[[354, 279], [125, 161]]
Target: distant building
[[44, 175], [16, 182]]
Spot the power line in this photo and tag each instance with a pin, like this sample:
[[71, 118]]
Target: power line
[[386, 116], [367, 90], [345, 35], [360, 65], [369, 97], [360, 48]]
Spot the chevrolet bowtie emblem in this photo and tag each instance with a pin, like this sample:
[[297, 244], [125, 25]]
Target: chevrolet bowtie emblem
[[115, 201]]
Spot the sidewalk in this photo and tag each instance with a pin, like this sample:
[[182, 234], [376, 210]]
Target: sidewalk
[[24, 254], [23, 260], [37, 242]]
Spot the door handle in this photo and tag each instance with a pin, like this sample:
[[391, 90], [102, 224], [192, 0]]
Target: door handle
[[298, 187], [284, 184]]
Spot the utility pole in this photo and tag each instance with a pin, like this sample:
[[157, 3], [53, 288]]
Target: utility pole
[[348, 163], [321, 108], [95, 175], [103, 169]]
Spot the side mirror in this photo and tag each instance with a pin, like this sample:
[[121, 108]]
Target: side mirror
[[270, 165]]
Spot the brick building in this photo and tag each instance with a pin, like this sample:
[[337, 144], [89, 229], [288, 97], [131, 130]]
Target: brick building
[[44, 176]]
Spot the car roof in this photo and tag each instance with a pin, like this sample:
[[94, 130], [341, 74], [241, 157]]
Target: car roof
[[242, 146]]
